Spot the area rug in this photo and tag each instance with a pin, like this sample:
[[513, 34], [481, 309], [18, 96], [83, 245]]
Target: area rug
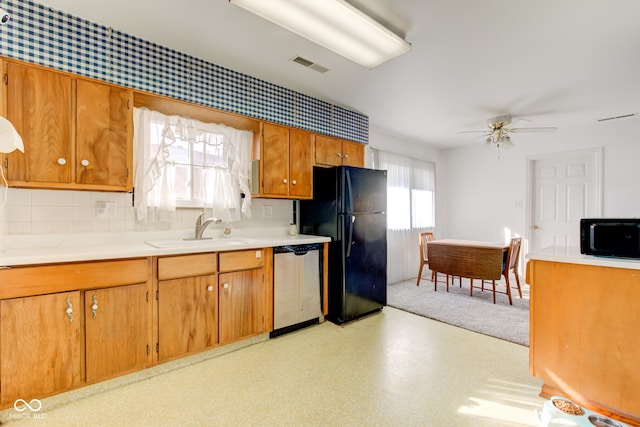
[[476, 313]]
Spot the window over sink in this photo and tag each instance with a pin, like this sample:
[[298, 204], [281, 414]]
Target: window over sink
[[184, 162]]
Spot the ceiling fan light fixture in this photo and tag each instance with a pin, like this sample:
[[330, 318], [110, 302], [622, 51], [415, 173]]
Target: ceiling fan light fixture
[[335, 25]]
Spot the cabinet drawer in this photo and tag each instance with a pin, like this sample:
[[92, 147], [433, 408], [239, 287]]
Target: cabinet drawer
[[46, 279], [241, 260], [174, 267]]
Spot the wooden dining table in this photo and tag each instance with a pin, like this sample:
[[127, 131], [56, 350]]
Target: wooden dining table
[[467, 258]]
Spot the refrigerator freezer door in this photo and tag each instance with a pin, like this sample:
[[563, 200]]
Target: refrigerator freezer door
[[364, 190]]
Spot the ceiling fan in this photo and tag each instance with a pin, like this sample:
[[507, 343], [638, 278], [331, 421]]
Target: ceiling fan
[[499, 131]]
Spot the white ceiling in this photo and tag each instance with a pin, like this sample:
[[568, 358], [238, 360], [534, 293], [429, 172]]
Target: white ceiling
[[563, 63]]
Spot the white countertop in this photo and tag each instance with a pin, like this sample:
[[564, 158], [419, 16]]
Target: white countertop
[[572, 255], [44, 249]]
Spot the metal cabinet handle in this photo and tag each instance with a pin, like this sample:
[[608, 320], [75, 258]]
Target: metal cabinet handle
[[94, 306], [339, 154], [346, 156], [84, 162], [69, 310], [62, 161]]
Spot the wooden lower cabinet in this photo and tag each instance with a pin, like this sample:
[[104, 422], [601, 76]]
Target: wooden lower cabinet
[[115, 331], [584, 335], [187, 316], [242, 304], [66, 325], [40, 346]]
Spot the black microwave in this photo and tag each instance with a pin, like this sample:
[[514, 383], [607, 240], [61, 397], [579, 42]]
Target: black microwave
[[613, 237]]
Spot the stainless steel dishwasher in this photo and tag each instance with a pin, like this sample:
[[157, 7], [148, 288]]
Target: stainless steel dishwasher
[[297, 275]]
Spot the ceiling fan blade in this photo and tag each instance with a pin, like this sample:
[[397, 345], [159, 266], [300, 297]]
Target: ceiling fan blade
[[541, 129], [473, 131]]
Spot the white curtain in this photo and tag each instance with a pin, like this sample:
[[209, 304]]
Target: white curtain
[[223, 171], [410, 198]]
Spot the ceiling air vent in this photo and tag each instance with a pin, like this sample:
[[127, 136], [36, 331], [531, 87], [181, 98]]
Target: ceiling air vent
[[617, 117], [309, 64]]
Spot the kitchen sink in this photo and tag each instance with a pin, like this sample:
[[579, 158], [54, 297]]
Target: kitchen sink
[[198, 243]]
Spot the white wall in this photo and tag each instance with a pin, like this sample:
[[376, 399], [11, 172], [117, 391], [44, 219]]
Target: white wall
[[482, 191]]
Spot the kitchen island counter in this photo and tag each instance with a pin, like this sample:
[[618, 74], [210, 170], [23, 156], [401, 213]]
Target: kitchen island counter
[[584, 325], [572, 255]]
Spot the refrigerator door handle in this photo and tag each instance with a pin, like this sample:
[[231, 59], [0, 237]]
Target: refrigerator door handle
[[349, 193], [349, 240]]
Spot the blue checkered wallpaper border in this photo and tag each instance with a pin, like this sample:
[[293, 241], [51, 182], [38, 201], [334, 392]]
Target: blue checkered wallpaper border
[[45, 36]]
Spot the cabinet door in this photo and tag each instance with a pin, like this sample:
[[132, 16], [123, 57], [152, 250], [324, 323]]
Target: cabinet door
[[187, 315], [115, 331], [241, 299], [352, 154], [275, 160], [328, 151], [104, 146], [300, 163], [39, 106], [40, 350]]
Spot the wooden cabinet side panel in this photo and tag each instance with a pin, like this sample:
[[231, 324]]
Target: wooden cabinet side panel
[[187, 315], [275, 158], [300, 163], [104, 124], [328, 151], [582, 321], [116, 338], [40, 350], [39, 106], [242, 305], [268, 289]]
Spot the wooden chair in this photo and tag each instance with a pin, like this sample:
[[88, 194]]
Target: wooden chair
[[510, 265], [423, 238]]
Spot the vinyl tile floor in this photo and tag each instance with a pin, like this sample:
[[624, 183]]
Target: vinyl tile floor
[[391, 368]]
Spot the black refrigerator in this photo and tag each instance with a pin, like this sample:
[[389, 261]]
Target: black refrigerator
[[349, 205]]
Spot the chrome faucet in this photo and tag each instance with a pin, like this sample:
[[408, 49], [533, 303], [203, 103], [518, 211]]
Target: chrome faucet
[[201, 225]]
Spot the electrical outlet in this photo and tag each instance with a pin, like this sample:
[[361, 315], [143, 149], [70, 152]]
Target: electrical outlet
[[105, 209], [267, 211]]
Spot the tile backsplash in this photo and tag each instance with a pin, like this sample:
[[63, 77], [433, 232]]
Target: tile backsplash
[[71, 212]]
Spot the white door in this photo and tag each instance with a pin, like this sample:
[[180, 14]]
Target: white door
[[565, 187]]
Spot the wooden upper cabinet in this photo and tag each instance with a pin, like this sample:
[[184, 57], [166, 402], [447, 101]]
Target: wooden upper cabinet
[[104, 135], [77, 133], [275, 160], [300, 163], [352, 154], [286, 162], [331, 151], [39, 104]]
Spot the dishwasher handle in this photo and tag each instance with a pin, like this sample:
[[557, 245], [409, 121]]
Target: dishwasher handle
[[298, 250]]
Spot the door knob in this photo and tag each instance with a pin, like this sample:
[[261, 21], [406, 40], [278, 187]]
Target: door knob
[[535, 227]]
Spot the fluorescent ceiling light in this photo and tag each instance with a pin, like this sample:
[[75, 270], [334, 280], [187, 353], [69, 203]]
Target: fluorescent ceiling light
[[335, 25]]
